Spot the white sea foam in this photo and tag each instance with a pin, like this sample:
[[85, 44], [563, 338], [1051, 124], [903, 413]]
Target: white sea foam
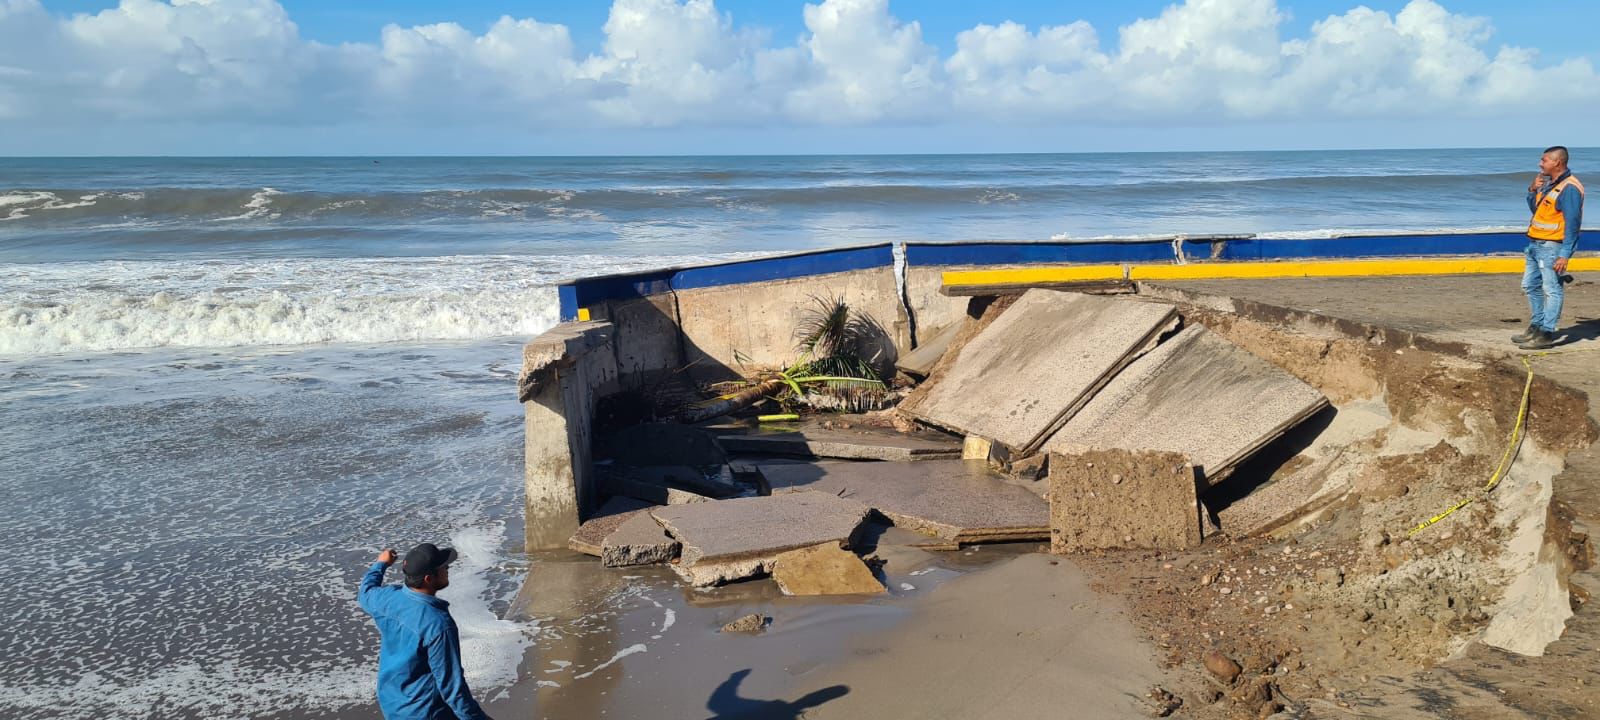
[[491, 648], [259, 205], [629, 650], [117, 305], [23, 204]]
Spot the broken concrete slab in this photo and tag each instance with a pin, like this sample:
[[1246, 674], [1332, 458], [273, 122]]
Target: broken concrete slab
[[617, 483], [920, 362], [824, 569], [735, 539], [961, 501], [592, 533], [1196, 394], [640, 540], [855, 443], [1104, 499], [1285, 499], [1037, 364]]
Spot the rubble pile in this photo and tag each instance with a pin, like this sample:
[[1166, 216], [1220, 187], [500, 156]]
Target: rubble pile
[[1000, 442]]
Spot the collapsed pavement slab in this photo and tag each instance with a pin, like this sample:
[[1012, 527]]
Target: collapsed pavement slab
[[735, 539], [824, 569], [1285, 500], [1037, 364], [1196, 394], [640, 540], [592, 533], [855, 443], [921, 361], [1104, 499], [959, 501]]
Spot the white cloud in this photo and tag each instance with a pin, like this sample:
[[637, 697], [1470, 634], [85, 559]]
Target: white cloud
[[677, 63]]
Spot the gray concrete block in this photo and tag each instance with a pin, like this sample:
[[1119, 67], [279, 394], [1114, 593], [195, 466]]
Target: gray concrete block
[[734, 539], [592, 533], [1123, 499], [1198, 395], [1036, 364], [638, 541], [960, 501]]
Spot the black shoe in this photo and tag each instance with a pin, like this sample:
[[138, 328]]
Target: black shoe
[[1540, 341], [1529, 334]]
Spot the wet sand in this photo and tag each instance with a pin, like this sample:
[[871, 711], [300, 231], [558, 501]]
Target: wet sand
[[1000, 631]]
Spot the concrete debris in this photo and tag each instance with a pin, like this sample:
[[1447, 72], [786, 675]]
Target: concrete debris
[[638, 541], [1037, 364], [1121, 499], [1285, 499], [1197, 394], [976, 448], [752, 623], [592, 533], [856, 442], [959, 501], [824, 569], [920, 362], [735, 539], [620, 484]]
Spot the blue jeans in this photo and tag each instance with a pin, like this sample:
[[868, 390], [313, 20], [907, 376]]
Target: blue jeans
[[1543, 286]]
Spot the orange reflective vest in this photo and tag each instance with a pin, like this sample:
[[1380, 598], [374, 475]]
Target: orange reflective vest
[[1549, 223]]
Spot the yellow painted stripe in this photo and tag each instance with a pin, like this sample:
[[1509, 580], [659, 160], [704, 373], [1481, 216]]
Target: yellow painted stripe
[[583, 314], [1344, 268], [1508, 265], [1052, 274]]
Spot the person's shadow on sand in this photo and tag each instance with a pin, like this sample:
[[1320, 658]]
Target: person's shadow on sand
[[725, 703]]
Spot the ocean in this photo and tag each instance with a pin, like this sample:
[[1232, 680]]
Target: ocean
[[227, 383]]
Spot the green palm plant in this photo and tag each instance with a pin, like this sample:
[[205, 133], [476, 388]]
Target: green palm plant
[[828, 339]]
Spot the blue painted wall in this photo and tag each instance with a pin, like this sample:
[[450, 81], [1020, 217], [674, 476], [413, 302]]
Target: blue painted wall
[[588, 291]]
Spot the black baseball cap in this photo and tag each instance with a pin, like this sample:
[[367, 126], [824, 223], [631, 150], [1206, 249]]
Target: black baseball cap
[[424, 559]]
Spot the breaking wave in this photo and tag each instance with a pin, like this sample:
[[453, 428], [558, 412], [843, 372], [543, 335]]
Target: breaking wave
[[111, 305]]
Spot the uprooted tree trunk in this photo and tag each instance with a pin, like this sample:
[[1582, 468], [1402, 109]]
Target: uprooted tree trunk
[[731, 402]]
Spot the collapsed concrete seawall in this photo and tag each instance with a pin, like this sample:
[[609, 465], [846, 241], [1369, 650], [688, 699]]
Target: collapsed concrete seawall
[[661, 334]]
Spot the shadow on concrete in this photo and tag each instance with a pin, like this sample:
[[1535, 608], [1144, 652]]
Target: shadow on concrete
[[1584, 329], [1261, 467], [725, 703]]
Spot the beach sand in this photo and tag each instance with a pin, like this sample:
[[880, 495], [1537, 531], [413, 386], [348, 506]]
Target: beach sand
[[997, 631]]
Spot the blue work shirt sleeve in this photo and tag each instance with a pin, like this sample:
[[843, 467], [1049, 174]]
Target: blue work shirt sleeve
[[1570, 203], [444, 657], [1533, 201], [369, 582]]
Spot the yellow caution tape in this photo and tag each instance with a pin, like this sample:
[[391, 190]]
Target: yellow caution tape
[[1506, 459]]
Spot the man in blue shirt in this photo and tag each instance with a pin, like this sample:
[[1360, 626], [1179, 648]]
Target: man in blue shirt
[[1555, 198], [419, 662]]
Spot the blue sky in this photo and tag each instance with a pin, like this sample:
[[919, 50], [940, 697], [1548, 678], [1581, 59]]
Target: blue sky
[[407, 76]]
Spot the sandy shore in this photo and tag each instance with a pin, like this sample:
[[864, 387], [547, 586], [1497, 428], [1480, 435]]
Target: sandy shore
[[1000, 631]]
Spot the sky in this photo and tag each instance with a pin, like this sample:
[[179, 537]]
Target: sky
[[665, 77]]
